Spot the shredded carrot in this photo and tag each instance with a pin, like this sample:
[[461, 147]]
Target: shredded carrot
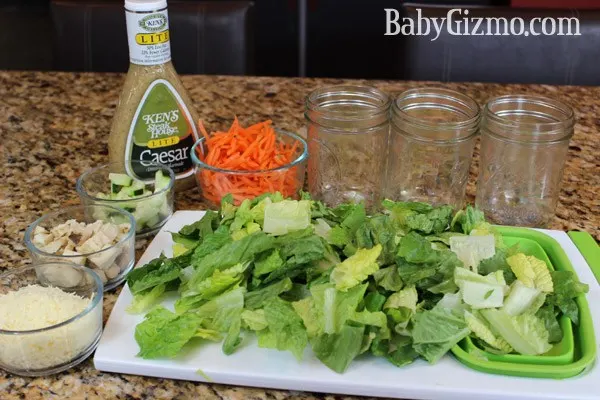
[[255, 148]]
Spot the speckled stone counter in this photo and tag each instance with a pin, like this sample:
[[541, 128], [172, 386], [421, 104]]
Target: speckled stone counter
[[54, 126]]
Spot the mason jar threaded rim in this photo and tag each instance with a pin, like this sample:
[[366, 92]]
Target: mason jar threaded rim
[[331, 106], [528, 119], [464, 108]]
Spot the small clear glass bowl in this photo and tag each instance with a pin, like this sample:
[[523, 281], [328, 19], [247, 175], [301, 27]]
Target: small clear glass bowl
[[112, 264], [58, 347], [150, 211], [215, 183]]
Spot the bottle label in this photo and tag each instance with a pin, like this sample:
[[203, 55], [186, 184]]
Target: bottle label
[[162, 131], [148, 36]]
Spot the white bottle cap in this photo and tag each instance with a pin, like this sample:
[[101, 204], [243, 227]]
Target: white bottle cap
[[145, 5]]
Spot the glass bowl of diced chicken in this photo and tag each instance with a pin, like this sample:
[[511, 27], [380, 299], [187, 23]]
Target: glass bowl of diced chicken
[[99, 237]]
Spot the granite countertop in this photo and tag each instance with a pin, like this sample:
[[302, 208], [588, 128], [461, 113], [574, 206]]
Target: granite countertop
[[54, 126]]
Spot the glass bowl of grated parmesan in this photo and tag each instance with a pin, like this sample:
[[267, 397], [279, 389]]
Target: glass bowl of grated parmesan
[[45, 327]]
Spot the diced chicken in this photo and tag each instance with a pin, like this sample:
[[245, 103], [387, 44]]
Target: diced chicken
[[112, 272], [39, 229], [78, 227], [77, 260], [123, 230], [41, 239], [62, 229], [110, 231], [70, 246], [101, 274], [97, 225], [97, 242], [106, 258], [54, 246]]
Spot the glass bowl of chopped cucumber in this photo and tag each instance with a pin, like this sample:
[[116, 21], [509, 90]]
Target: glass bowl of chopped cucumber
[[144, 189], [50, 317], [97, 236]]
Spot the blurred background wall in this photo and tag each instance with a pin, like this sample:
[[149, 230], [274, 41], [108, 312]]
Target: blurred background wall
[[325, 38]]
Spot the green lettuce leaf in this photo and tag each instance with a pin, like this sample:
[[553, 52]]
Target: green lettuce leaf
[[285, 330], [401, 351], [566, 288], [534, 273], [163, 333], [351, 216], [287, 216], [481, 329], [218, 283], [452, 301], [550, 318], [183, 242], [355, 269], [227, 210], [201, 228], [498, 263], [377, 319], [267, 263], [481, 291], [374, 301], [468, 219], [222, 311], [322, 228], [159, 271], [339, 236], [388, 278], [522, 298], [337, 350], [254, 319], [230, 254], [472, 249], [414, 248], [525, 333], [382, 232], [436, 331], [142, 301], [405, 298], [328, 309], [258, 298]]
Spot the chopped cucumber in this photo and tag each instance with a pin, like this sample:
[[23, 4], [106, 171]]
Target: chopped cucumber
[[148, 213], [122, 195], [119, 179], [161, 181], [115, 189], [136, 188]]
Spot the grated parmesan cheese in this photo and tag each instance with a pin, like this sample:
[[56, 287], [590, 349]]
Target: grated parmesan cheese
[[35, 307]]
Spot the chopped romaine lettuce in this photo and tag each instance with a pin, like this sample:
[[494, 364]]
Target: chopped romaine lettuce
[[472, 249], [533, 272], [521, 298], [287, 216], [481, 291], [481, 329], [525, 333], [356, 269]]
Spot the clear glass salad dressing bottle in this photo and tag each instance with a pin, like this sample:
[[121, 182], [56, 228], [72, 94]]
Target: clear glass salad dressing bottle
[[154, 121]]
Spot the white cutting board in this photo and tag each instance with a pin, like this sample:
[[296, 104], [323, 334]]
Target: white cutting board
[[368, 376]]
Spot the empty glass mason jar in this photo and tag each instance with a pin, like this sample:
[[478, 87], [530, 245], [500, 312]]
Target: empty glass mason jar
[[348, 133], [432, 140], [524, 145]]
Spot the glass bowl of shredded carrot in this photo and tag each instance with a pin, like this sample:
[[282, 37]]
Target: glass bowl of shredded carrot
[[247, 162]]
